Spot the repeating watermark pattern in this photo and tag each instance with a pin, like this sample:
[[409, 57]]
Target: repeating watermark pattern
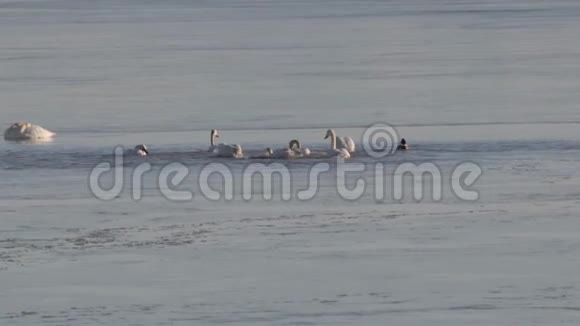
[[108, 180]]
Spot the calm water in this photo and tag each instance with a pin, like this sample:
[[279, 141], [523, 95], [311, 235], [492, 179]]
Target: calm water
[[491, 82]]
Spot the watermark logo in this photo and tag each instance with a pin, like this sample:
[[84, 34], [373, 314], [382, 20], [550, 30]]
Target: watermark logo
[[380, 140], [352, 180]]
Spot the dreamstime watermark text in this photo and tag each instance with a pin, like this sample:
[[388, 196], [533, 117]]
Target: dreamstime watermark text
[[352, 180]]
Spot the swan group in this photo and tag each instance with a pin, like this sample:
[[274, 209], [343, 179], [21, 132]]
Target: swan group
[[341, 147]]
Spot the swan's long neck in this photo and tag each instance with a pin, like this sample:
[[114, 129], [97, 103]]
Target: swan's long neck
[[211, 139], [332, 139]]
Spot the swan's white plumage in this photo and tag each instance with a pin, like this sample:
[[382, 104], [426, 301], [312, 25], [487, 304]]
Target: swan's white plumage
[[342, 153], [338, 152], [224, 150], [344, 142], [334, 151], [348, 144], [27, 131], [237, 152]]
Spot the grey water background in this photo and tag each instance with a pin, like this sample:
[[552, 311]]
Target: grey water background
[[493, 82]]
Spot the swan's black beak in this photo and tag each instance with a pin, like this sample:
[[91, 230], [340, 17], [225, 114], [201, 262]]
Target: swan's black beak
[[325, 136]]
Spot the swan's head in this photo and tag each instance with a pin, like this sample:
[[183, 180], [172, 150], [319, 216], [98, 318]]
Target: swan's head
[[329, 133], [214, 134], [22, 126], [142, 148], [294, 143]]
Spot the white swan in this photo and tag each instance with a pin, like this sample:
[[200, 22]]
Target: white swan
[[345, 142], [340, 152], [27, 131], [224, 150]]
